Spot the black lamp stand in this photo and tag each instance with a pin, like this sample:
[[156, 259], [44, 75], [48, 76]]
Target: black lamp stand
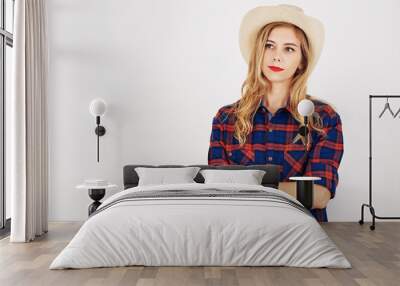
[[305, 188], [96, 195], [100, 131], [305, 192]]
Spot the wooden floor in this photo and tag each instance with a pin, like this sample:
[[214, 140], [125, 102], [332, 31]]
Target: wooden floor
[[374, 255]]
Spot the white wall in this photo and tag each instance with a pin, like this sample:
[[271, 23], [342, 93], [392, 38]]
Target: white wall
[[165, 67]]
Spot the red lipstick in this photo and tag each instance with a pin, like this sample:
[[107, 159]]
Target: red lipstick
[[275, 69]]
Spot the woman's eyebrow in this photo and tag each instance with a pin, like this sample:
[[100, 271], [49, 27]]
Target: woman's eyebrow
[[287, 44]]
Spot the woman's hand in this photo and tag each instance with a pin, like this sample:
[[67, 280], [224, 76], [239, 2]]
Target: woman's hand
[[321, 195]]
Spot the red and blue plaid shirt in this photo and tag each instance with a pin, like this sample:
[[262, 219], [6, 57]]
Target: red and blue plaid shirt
[[271, 142]]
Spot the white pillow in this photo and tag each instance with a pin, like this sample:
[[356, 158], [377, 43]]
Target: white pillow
[[249, 177], [163, 176]]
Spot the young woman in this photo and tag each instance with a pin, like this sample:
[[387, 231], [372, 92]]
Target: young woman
[[281, 46]]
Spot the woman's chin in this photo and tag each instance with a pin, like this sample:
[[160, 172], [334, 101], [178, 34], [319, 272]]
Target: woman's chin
[[277, 78]]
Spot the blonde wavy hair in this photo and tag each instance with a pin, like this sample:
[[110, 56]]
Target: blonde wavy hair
[[256, 84]]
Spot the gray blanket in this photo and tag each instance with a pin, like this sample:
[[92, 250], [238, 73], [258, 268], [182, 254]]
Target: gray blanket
[[205, 193]]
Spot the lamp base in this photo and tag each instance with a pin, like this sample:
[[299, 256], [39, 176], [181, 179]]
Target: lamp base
[[96, 195], [305, 191]]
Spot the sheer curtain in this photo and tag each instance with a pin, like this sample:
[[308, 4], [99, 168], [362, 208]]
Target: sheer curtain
[[28, 123]]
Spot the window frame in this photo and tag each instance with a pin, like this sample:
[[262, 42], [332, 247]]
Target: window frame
[[6, 39]]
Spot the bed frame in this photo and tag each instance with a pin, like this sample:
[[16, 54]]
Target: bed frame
[[270, 179]]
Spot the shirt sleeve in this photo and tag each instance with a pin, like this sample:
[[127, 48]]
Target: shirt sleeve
[[216, 151], [324, 159]]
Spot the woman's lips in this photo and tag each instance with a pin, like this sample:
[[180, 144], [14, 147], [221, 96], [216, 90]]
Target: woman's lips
[[275, 69]]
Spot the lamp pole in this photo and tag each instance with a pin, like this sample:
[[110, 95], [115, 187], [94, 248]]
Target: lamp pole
[[97, 108]]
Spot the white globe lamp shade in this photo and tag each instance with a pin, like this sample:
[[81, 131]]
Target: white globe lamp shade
[[97, 107], [305, 107]]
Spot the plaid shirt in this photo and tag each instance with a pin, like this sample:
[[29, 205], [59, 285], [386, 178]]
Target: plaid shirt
[[271, 142]]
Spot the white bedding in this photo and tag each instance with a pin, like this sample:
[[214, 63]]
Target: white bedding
[[200, 231]]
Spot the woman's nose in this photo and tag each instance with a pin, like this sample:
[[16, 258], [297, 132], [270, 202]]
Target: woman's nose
[[276, 59]]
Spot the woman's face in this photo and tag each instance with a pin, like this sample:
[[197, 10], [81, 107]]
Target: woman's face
[[282, 50]]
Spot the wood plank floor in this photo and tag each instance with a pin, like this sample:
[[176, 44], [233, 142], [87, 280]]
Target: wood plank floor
[[374, 255]]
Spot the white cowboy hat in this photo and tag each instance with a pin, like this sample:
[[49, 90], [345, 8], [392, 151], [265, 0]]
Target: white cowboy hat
[[258, 17]]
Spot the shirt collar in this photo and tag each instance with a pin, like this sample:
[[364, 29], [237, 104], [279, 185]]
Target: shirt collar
[[262, 107]]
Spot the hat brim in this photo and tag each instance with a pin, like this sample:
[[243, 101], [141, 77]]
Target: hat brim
[[260, 16]]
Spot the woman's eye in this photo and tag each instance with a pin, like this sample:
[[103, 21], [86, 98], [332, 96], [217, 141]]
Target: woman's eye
[[290, 49], [268, 46]]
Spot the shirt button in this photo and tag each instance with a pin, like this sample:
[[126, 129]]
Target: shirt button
[[269, 158], [270, 130], [230, 153]]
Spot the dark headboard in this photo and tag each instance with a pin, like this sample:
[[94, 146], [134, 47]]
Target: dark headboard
[[270, 179]]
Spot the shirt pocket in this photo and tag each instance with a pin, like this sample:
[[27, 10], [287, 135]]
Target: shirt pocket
[[294, 158], [241, 156]]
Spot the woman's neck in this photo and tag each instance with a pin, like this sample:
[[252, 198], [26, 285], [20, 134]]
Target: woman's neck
[[277, 96]]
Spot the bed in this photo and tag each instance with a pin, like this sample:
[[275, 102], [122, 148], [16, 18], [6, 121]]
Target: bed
[[201, 224]]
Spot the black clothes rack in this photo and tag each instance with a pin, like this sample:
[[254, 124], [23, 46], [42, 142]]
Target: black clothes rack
[[371, 208]]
